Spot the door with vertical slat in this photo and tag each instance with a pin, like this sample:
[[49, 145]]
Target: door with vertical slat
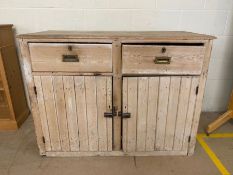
[[72, 112], [162, 110]]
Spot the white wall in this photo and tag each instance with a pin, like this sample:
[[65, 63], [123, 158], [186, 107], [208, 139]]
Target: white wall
[[213, 17]]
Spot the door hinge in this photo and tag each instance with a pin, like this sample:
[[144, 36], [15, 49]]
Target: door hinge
[[35, 90], [197, 89], [43, 139], [189, 139]]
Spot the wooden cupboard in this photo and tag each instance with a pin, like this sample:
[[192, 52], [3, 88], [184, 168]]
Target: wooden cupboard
[[13, 105], [115, 93]]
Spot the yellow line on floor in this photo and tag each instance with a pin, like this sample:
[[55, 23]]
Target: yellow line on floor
[[212, 155]]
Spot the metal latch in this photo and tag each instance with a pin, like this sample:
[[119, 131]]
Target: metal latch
[[111, 114], [124, 114]]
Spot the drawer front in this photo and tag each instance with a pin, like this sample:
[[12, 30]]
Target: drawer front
[[59, 57], [167, 59]]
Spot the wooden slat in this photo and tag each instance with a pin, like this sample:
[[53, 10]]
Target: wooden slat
[[125, 109], [182, 112], [142, 113], [101, 109], [72, 119], [90, 83], [162, 112], [61, 112], [172, 112], [132, 108], [81, 112], [42, 112], [47, 86], [152, 113], [109, 109], [190, 113]]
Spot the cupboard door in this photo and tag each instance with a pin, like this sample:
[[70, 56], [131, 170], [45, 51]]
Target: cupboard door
[[161, 110], [72, 112]]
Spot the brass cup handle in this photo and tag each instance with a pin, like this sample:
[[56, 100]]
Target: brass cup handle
[[70, 58], [162, 60]]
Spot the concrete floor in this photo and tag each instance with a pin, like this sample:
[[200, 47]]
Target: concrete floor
[[19, 156]]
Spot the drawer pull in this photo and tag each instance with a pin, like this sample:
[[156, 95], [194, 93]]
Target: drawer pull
[[70, 58], [162, 60]]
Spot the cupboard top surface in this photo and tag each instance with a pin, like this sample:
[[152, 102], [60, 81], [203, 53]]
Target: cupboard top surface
[[155, 35]]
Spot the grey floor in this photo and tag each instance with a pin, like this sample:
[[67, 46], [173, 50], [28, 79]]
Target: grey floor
[[19, 156]]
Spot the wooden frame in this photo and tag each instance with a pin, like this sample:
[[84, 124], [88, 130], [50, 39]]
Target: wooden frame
[[117, 39], [15, 110]]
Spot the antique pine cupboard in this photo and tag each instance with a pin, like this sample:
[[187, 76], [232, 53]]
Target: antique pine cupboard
[[115, 93]]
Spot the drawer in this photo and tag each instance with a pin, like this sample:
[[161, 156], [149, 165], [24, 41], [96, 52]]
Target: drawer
[[162, 59], [71, 57]]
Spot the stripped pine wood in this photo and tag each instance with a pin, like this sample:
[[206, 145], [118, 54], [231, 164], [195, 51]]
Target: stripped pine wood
[[125, 109], [101, 97], [92, 121], [109, 109], [61, 112], [42, 112], [182, 112], [81, 112], [47, 86], [153, 88], [72, 119], [142, 113], [162, 112], [190, 113], [132, 108], [172, 111]]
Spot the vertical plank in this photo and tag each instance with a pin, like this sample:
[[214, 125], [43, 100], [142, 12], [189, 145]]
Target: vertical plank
[[81, 112], [90, 83], [172, 112], [72, 120], [153, 91], [190, 113], [42, 112], [109, 109], [125, 109], [162, 112], [182, 112], [142, 113], [101, 109], [61, 112], [117, 84], [47, 86], [132, 108]]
